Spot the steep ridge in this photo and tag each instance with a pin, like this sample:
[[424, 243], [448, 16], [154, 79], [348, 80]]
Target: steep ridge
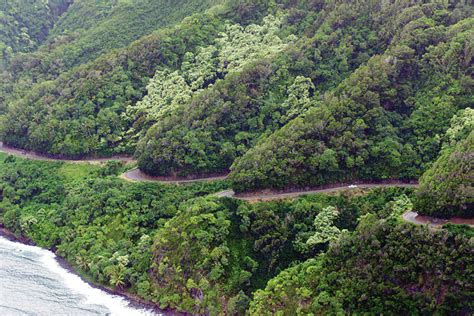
[[372, 125], [206, 131], [217, 125], [446, 189], [349, 98], [74, 34]]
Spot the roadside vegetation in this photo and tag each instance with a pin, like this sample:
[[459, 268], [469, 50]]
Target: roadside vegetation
[[284, 95], [182, 248]]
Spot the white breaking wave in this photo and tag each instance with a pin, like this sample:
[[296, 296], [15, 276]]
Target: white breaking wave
[[115, 304]]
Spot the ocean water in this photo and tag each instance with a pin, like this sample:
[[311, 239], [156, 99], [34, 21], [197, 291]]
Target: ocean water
[[33, 283]]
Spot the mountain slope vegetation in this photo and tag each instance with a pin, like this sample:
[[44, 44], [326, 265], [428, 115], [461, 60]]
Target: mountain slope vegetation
[[446, 189], [78, 113], [90, 28], [58, 113], [264, 97], [180, 248], [83, 43], [372, 126], [283, 95], [214, 130], [373, 270], [26, 24]]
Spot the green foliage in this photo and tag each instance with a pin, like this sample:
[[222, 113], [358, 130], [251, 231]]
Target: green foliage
[[191, 255], [283, 93], [102, 225], [171, 245], [214, 253], [233, 49], [323, 225], [264, 76], [83, 116], [96, 27], [89, 28], [380, 268], [26, 24], [446, 189], [207, 133], [208, 139], [373, 125]]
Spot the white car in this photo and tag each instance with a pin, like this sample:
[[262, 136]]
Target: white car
[[352, 186]]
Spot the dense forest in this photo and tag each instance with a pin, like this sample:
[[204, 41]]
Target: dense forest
[[373, 270], [383, 121], [182, 248], [26, 24], [446, 189], [281, 95]]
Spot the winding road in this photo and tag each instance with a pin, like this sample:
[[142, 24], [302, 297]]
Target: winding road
[[135, 175], [269, 195], [415, 218]]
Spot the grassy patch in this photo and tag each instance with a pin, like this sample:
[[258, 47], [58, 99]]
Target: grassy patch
[[75, 171]]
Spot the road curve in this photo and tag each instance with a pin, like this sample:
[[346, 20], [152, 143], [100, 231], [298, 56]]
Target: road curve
[[411, 217], [135, 175], [269, 195], [415, 218]]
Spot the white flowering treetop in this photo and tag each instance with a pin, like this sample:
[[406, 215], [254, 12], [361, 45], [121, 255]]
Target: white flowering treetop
[[324, 227], [235, 48]]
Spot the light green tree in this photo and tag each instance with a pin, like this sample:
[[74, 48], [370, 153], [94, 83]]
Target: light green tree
[[461, 125], [240, 46], [324, 227], [117, 271], [235, 48], [299, 98], [200, 68], [166, 90]]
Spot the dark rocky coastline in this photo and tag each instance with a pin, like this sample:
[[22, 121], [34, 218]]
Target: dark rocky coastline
[[134, 300]]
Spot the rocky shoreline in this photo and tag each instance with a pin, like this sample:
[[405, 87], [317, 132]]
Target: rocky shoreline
[[134, 300]]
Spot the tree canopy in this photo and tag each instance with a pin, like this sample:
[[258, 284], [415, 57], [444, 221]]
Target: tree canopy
[[446, 189]]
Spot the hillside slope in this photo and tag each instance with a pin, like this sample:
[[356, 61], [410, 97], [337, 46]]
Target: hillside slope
[[274, 91], [78, 112], [284, 94], [382, 268], [181, 248], [447, 188], [26, 24], [90, 28], [85, 31], [384, 121], [211, 127]]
